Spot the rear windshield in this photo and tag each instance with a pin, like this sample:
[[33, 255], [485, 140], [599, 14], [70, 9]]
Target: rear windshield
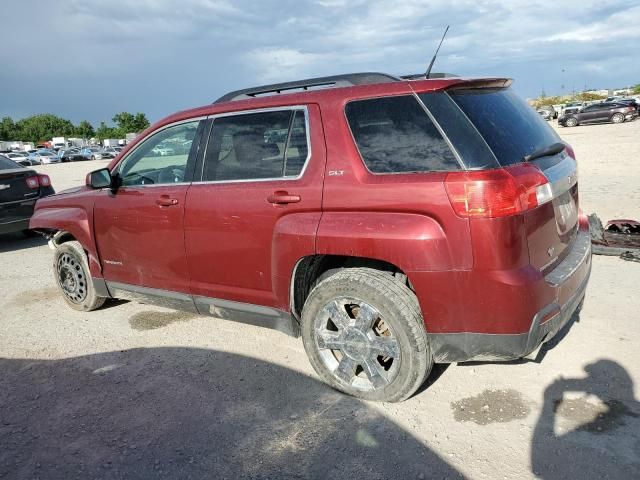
[[511, 128], [7, 164]]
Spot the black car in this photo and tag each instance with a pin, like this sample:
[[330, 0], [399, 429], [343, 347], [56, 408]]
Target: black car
[[599, 112], [20, 187], [632, 102], [71, 155]]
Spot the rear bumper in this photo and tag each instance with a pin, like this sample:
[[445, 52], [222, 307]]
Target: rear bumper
[[463, 347], [502, 315]]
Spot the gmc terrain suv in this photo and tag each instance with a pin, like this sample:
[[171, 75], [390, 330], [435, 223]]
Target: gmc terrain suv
[[393, 223]]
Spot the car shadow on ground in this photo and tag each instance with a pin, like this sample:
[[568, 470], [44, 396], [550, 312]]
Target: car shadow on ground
[[193, 413], [589, 427], [10, 242]]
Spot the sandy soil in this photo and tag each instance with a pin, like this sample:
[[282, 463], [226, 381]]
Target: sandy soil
[[133, 391]]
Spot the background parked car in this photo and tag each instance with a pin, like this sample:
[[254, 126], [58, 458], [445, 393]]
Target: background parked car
[[632, 102], [21, 158], [91, 153], [547, 112], [599, 112], [70, 155], [21, 188], [44, 156]]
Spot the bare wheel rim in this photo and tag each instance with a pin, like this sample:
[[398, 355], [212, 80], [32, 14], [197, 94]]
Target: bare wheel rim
[[356, 345], [72, 278]]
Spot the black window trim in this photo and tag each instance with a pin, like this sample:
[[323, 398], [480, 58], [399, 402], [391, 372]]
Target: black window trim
[[431, 117], [292, 109], [118, 166]]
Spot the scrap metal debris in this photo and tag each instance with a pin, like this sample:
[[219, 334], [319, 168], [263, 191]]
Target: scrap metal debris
[[619, 237]]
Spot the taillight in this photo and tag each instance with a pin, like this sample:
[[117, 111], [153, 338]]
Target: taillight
[[44, 180], [32, 182], [497, 193]]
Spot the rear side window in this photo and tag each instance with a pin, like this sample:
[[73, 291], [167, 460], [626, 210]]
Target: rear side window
[[255, 146], [395, 135], [511, 128]]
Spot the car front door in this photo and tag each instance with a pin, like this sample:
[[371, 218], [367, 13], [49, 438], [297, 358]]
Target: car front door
[[139, 226], [256, 207]]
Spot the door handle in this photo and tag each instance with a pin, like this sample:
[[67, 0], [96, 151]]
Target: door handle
[[166, 201], [281, 198]]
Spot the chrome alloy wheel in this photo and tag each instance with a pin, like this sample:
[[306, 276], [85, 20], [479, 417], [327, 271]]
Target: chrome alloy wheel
[[356, 345], [71, 278]]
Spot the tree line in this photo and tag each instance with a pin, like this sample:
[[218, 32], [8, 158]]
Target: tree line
[[45, 126]]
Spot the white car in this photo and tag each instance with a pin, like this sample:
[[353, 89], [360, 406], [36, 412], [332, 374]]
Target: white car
[[45, 157], [21, 158], [163, 151]]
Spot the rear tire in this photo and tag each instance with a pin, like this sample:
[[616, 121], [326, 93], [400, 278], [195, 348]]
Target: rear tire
[[617, 118], [364, 335], [71, 271]]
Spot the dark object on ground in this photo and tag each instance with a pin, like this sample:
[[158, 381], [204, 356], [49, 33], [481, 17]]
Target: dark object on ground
[[631, 256], [619, 237]]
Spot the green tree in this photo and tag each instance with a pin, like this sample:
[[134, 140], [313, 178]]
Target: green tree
[[8, 130], [129, 123], [636, 89], [84, 130], [43, 127], [105, 131]]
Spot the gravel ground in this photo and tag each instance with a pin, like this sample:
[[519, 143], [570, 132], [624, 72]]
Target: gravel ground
[[133, 391]]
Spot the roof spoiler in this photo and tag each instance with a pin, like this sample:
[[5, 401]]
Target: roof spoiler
[[482, 83]]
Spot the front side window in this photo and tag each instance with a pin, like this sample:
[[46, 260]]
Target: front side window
[[395, 135], [255, 146], [161, 159]]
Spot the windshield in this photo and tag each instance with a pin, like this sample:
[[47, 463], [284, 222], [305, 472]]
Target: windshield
[[511, 128]]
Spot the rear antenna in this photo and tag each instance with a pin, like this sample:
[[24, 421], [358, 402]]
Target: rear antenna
[[426, 75]]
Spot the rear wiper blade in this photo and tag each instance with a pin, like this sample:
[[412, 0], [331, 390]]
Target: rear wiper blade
[[552, 149]]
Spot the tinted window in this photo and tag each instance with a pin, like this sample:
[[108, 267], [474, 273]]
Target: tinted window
[[461, 133], [161, 159], [6, 164], [395, 134], [257, 146], [511, 128]]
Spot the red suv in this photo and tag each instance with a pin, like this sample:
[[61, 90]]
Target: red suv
[[393, 223]]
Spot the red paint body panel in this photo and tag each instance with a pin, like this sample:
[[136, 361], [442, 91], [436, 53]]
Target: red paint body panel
[[404, 219], [140, 242], [241, 247], [71, 212]]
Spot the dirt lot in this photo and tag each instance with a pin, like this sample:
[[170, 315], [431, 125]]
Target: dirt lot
[[133, 391]]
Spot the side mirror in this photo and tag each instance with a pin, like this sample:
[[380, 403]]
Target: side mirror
[[99, 179]]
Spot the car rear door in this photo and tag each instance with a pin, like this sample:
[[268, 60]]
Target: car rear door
[[139, 227], [255, 209]]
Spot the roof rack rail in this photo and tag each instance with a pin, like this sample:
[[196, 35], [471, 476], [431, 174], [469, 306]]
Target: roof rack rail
[[421, 76], [346, 80]]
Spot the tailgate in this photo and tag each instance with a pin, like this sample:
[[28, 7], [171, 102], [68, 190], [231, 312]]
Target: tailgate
[[552, 227]]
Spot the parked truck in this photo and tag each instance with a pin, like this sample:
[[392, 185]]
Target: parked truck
[[110, 142]]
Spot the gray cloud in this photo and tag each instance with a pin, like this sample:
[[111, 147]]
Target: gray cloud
[[90, 59]]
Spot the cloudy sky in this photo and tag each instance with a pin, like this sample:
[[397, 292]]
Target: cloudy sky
[[88, 59]]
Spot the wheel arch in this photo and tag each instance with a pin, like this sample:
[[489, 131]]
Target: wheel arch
[[308, 269]]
